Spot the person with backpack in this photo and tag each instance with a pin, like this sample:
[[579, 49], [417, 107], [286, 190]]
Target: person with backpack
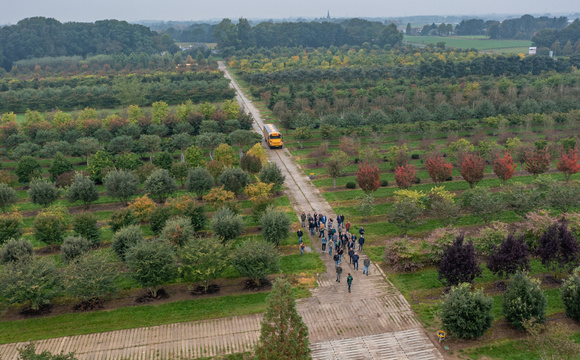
[[299, 233], [321, 230], [349, 281], [361, 242], [303, 218], [302, 249], [323, 244], [366, 263], [336, 259], [355, 258], [338, 272]]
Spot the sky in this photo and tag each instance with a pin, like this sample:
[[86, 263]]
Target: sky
[[11, 11]]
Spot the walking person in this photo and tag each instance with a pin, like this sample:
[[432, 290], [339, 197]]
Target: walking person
[[338, 272], [355, 258], [361, 242], [330, 245], [340, 252], [323, 244], [336, 259], [311, 226], [366, 263], [303, 218], [347, 226], [302, 249], [300, 234], [350, 254], [349, 281], [361, 231], [321, 232]]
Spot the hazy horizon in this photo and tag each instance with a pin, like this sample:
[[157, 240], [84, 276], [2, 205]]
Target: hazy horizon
[[177, 10]]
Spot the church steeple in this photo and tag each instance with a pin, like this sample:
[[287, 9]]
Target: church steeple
[[328, 14]]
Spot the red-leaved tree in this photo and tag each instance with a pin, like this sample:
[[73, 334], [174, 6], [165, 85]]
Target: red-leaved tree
[[439, 169], [504, 167], [405, 176], [368, 177], [472, 167], [537, 161], [568, 163]]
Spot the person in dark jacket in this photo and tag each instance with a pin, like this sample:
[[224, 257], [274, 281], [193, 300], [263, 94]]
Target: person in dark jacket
[[336, 259], [338, 273], [311, 226], [366, 263], [302, 249], [355, 258], [361, 231], [361, 242], [350, 254], [300, 234], [349, 281], [303, 218], [323, 244], [340, 252]]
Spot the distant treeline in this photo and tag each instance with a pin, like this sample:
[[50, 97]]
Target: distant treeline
[[39, 37], [289, 34], [521, 28]]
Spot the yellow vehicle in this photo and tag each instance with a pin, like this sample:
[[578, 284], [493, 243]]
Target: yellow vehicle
[[273, 136]]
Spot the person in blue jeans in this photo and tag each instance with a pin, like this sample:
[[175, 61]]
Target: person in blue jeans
[[366, 263], [324, 244], [355, 261], [336, 259], [340, 252], [330, 246], [361, 242], [301, 249], [311, 226], [299, 233]]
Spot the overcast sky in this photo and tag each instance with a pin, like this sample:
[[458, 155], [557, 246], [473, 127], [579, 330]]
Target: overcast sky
[[132, 10]]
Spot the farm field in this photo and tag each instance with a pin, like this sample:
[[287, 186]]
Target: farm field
[[474, 42]]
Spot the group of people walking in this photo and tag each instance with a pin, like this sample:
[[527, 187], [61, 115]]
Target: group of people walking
[[338, 239]]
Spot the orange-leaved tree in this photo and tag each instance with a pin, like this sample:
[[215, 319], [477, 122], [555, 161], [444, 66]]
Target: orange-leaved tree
[[568, 163], [504, 167], [368, 177], [537, 161], [405, 176], [472, 167], [439, 169]]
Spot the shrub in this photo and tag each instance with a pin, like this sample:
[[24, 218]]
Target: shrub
[[122, 218], [196, 215], [15, 251], [8, 197], [50, 225], [65, 179], [271, 173], [251, 164], [570, 294], [164, 160], [384, 183], [218, 196], [234, 180], [85, 225], [256, 260], [558, 248], [59, 166], [144, 171], [177, 231], [26, 167], [415, 156], [125, 238], [121, 184], [91, 278], [275, 225], [483, 203], [203, 260], [152, 264], [351, 185], [28, 352], [160, 185], [158, 218], [458, 263], [10, 226], [490, 237], [83, 189], [511, 256], [142, 207], [73, 247], [226, 225], [405, 257], [524, 300], [466, 314], [199, 181], [43, 193], [30, 284]]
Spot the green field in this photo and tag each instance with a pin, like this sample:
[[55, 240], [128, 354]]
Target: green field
[[480, 43]]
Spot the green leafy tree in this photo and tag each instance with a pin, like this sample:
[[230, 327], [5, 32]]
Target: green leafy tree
[[301, 134], [125, 238], [88, 146], [97, 163], [120, 144], [197, 216], [570, 294], [73, 247], [10, 227], [160, 185], [390, 35], [271, 173], [122, 218], [50, 226], [483, 203], [8, 197], [179, 171], [83, 189], [60, 165], [404, 214], [164, 160], [85, 225], [194, 156], [177, 231], [283, 334], [524, 300], [43, 192], [199, 181], [152, 264], [153, 143], [226, 225], [121, 184], [234, 179], [203, 260], [31, 284], [256, 260], [182, 141], [128, 162], [275, 225], [336, 164], [14, 250], [26, 167], [91, 278], [466, 314]]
